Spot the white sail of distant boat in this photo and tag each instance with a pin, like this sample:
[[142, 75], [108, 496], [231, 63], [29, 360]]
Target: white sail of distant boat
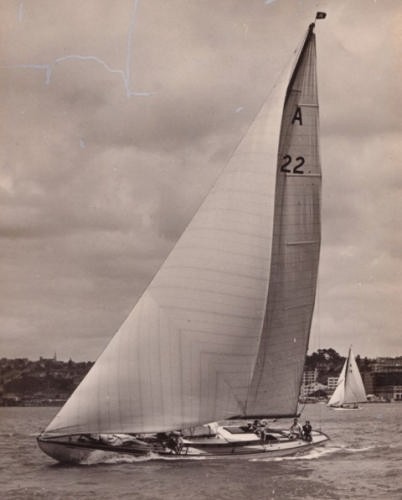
[[350, 389], [222, 330]]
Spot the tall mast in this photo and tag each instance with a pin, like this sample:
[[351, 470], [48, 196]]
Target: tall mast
[[310, 33], [347, 365]]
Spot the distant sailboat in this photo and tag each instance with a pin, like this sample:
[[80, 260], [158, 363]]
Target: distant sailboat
[[350, 389], [219, 337]]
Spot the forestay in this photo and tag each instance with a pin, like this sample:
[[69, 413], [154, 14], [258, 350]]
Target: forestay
[[207, 326]]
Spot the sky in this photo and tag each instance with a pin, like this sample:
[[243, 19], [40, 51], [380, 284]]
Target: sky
[[117, 117]]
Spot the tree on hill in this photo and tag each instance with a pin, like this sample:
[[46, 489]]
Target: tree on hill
[[324, 358]]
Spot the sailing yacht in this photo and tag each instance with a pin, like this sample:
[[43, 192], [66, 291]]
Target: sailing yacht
[[350, 389], [213, 352]]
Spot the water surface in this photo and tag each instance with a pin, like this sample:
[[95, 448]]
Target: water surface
[[361, 461]]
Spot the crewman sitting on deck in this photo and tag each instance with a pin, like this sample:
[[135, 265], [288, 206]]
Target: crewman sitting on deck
[[258, 428], [175, 442], [307, 431], [295, 430], [256, 425], [263, 431]]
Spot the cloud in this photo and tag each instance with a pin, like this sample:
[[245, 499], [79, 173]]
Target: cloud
[[95, 186]]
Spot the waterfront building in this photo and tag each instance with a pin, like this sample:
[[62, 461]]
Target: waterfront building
[[387, 378], [309, 379], [332, 382], [390, 392], [386, 365], [368, 382]]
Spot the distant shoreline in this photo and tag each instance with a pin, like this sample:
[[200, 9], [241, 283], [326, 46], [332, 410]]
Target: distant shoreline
[[50, 382]]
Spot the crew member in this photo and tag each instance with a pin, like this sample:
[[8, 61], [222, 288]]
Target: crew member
[[295, 430], [307, 431]]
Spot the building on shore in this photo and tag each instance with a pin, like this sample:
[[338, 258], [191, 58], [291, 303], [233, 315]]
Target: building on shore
[[332, 382], [309, 379], [387, 378], [390, 392]]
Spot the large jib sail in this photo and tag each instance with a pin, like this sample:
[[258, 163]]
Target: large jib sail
[[220, 313]]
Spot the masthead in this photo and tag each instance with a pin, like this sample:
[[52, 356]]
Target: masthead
[[319, 15]]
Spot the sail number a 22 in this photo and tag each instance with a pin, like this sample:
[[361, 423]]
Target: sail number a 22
[[291, 165]]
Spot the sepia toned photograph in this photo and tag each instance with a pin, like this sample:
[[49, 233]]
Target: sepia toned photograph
[[201, 249]]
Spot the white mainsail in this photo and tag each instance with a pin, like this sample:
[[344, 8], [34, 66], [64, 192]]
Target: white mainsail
[[350, 387], [222, 329], [295, 249]]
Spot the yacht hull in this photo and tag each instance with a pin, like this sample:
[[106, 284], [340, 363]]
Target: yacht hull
[[74, 452]]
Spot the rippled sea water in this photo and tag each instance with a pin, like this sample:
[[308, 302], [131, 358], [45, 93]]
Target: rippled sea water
[[362, 460]]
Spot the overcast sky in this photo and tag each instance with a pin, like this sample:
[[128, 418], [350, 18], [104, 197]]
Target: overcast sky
[[116, 117]]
